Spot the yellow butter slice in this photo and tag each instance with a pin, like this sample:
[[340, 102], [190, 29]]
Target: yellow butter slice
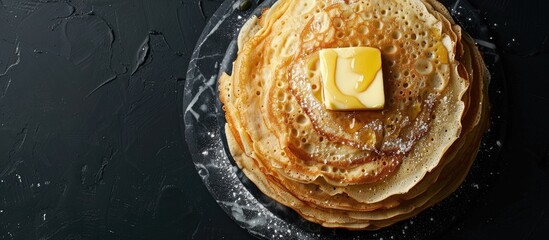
[[352, 78]]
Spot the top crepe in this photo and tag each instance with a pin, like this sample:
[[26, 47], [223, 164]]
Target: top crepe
[[361, 169]]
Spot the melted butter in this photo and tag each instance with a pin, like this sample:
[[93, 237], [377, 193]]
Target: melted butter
[[414, 110], [352, 78], [441, 53], [366, 62], [328, 61]]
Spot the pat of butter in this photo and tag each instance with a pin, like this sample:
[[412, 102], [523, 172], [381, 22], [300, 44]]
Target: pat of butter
[[352, 78]]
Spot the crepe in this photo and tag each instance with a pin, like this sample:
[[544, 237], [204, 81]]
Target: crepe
[[360, 169]]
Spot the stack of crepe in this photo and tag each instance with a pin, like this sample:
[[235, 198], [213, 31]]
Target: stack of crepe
[[355, 169]]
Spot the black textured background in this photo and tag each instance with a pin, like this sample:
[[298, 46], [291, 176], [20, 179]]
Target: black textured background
[[91, 145]]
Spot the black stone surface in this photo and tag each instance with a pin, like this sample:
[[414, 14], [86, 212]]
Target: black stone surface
[[91, 141]]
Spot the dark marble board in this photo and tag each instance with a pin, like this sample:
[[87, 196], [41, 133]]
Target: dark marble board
[[91, 123]]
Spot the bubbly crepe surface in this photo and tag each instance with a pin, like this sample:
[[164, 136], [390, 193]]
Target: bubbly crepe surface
[[359, 169]]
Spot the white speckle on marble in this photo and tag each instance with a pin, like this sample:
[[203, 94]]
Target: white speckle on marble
[[203, 107]]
